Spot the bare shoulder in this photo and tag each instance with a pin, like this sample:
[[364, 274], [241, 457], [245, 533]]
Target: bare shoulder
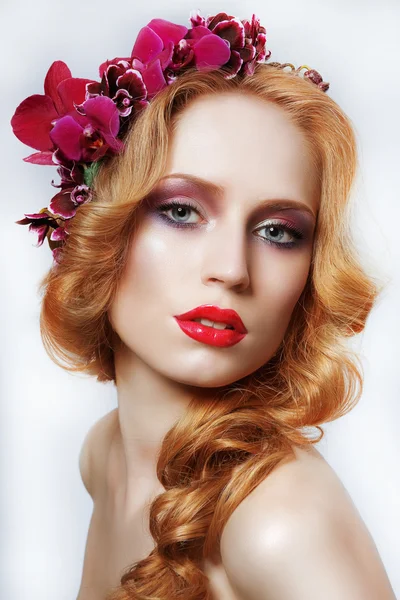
[[95, 450], [298, 534]]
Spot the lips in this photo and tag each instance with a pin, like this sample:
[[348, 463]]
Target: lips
[[216, 314]]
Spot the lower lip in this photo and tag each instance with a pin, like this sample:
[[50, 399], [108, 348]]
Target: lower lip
[[209, 335]]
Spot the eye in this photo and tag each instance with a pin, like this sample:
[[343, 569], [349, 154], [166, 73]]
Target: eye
[[179, 211], [274, 228], [182, 211]]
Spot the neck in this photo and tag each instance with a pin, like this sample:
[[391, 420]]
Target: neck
[[149, 404]]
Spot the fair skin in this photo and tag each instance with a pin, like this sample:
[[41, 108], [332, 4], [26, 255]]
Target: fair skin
[[222, 261], [255, 155]]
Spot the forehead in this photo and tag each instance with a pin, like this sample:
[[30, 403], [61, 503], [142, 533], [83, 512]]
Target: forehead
[[244, 144]]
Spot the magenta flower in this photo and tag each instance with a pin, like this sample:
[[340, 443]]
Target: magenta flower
[[141, 76], [70, 172], [163, 48], [176, 47], [255, 35], [316, 78], [67, 201], [152, 53], [245, 41], [124, 85], [33, 118], [40, 223], [78, 122], [88, 141]]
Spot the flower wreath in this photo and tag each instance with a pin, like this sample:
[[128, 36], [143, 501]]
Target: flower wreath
[[79, 121]]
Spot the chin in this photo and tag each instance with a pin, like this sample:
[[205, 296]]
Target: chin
[[208, 378]]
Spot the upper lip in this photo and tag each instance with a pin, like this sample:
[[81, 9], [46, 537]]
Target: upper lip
[[215, 314]]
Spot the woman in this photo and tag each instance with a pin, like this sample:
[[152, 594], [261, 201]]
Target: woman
[[231, 196]]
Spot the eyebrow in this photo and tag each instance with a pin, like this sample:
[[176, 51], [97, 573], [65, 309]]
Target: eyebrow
[[219, 190]]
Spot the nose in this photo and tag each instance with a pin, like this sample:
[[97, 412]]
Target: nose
[[226, 257]]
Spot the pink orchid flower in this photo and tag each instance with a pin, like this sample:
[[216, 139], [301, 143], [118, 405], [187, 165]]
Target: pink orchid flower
[[32, 120]]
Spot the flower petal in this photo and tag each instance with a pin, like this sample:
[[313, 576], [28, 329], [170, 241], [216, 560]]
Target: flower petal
[[58, 234], [233, 66], [248, 52], [211, 52], [72, 90], [196, 19], [40, 230], [111, 142], [132, 82], [103, 114], [182, 56], [313, 75], [261, 49], [81, 194], [197, 32], [233, 31], [36, 216], [148, 44], [168, 31], [137, 64], [56, 74], [104, 66], [39, 223], [66, 135], [110, 77], [31, 122], [249, 67], [123, 101], [57, 256], [93, 89], [165, 56], [62, 205], [154, 79], [211, 22], [40, 158]]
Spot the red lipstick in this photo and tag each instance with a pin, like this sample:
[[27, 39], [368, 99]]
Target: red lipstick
[[207, 334]]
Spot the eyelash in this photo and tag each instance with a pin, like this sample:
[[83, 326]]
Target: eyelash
[[298, 235]]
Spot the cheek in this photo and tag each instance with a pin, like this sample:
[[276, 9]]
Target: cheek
[[292, 283], [151, 281], [150, 266], [282, 286], [142, 297]]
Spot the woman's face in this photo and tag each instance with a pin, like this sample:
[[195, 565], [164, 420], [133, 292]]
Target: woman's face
[[223, 251]]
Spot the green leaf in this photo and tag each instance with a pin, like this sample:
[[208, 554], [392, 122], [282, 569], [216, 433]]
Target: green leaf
[[90, 172]]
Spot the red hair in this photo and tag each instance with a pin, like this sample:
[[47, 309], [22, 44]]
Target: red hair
[[220, 449]]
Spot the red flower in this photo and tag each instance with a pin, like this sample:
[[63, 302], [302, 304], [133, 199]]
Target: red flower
[[40, 223], [32, 120], [76, 122], [89, 140], [246, 41]]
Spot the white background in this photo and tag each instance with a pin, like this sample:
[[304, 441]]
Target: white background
[[45, 412]]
